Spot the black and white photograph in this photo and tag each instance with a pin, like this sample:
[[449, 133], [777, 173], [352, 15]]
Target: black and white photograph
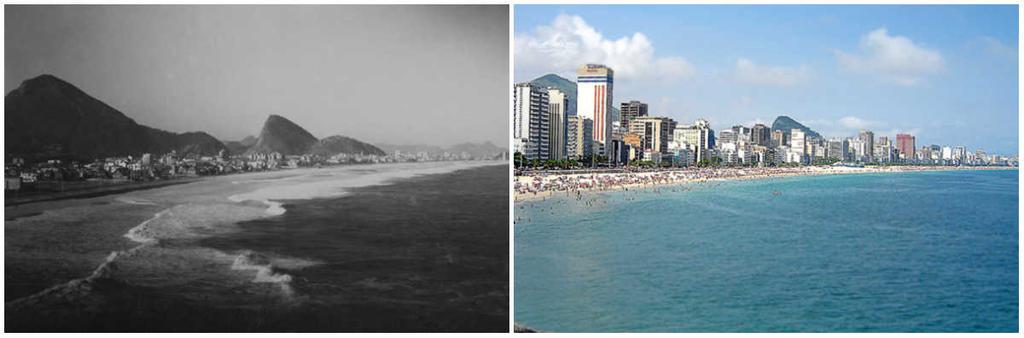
[[256, 168]]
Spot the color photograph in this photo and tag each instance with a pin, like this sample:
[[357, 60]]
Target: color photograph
[[765, 168]]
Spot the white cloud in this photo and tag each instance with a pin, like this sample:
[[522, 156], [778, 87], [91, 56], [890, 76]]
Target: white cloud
[[750, 73], [570, 42], [997, 48], [893, 58], [856, 123]]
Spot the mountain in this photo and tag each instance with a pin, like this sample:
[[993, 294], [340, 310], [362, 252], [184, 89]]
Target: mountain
[[485, 149], [567, 87], [239, 147], [411, 148], [476, 149], [787, 124], [248, 141], [46, 117], [337, 144], [564, 85], [283, 136]]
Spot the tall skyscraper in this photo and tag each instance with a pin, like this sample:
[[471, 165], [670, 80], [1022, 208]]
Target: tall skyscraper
[[594, 98], [556, 115], [761, 135], [530, 121], [631, 110], [905, 145]]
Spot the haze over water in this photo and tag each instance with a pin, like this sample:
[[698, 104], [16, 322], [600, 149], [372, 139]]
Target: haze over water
[[908, 252]]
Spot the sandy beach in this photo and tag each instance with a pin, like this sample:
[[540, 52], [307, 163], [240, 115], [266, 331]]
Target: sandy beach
[[541, 185]]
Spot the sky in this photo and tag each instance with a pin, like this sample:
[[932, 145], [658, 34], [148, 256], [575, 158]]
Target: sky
[[434, 75], [946, 74]]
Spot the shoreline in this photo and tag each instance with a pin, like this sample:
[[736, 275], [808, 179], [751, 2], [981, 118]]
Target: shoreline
[[120, 188], [528, 189], [101, 191]]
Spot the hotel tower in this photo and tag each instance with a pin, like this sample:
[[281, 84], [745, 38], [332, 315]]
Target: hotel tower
[[594, 101]]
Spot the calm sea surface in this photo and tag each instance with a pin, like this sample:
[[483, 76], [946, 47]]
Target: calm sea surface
[[924, 251]]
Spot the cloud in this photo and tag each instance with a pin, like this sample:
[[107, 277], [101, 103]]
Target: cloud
[[856, 123], [998, 48], [893, 58], [749, 73], [844, 126], [570, 42]]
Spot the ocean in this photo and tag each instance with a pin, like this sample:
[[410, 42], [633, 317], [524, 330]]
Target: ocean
[[892, 252], [393, 248]]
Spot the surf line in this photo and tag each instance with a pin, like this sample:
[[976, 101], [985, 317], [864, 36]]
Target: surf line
[[69, 288]]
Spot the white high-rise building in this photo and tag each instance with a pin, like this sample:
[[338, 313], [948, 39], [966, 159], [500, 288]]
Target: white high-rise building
[[530, 121], [594, 101], [557, 118], [798, 143], [947, 153]]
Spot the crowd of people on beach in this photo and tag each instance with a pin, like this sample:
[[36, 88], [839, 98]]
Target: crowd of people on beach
[[550, 182]]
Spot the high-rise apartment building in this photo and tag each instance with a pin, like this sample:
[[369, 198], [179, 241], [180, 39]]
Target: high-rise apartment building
[[579, 134], [530, 124], [699, 137], [761, 135], [557, 102], [867, 139], [905, 145], [779, 138], [654, 133], [631, 110]]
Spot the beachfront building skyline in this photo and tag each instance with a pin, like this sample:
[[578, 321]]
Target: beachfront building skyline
[[552, 133], [530, 125], [595, 84]]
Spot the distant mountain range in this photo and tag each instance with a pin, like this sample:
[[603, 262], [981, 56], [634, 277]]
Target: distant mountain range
[[484, 149], [47, 117], [786, 125], [569, 88], [284, 136], [338, 144]]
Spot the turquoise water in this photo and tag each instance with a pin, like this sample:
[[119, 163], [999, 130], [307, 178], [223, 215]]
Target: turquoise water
[[909, 252]]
